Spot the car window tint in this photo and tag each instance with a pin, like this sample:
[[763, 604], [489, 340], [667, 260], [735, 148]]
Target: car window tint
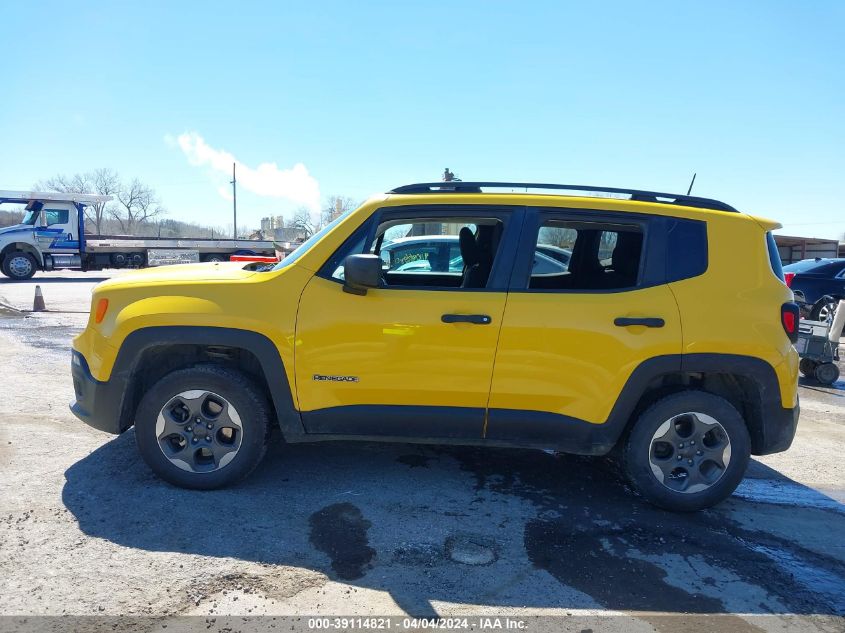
[[427, 251], [598, 256]]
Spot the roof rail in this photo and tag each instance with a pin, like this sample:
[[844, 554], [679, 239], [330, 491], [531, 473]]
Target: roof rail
[[633, 194]]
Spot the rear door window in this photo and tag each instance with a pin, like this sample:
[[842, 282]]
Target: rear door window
[[599, 256]]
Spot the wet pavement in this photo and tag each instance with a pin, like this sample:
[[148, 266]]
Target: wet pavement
[[360, 528]]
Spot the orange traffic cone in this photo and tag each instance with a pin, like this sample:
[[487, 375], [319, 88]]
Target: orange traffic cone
[[38, 303]]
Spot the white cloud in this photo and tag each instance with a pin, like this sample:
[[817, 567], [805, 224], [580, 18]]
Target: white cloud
[[225, 192], [267, 180]]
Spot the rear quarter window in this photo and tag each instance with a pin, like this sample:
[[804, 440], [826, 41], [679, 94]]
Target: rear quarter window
[[686, 251], [774, 256]]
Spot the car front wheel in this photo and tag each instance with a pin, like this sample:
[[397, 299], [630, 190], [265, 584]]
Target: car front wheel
[[688, 451], [19, 266], [204, 427]]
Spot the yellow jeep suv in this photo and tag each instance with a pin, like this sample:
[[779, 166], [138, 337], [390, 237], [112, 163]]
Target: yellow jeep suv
[[656, 326]]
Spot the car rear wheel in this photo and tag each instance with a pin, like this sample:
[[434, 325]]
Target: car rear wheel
[[688, 451], [203, 427]]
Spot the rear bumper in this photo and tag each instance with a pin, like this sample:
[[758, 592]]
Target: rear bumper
[[98, 404]]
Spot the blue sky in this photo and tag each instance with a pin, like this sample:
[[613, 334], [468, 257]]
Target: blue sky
[[352, 98]]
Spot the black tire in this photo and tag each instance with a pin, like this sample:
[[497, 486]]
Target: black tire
[[216, 257], [229, 385], [638, 451], [13, 272], [827, 373], [808, 367]]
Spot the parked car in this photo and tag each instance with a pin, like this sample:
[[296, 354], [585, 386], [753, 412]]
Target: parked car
[[418, 254], [618, 352], [818, 285]]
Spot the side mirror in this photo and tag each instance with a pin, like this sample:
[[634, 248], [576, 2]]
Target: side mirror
[[361, 272]]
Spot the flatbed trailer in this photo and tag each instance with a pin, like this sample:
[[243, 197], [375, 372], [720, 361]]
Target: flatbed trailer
[[52, 235]]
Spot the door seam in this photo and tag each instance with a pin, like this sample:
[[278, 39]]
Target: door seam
[[493, 368]]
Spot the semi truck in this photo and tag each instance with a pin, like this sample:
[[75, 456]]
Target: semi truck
[[52, 236]]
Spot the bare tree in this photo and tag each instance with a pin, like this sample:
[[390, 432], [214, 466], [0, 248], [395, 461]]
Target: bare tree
[[137, 204], [10, 218], [78, 183], [104, 182], [303, 221], [335, 207]]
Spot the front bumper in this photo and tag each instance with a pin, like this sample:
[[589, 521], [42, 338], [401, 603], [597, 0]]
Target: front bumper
[[98, 404]]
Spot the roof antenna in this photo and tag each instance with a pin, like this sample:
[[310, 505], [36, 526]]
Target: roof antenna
[[692, 182]]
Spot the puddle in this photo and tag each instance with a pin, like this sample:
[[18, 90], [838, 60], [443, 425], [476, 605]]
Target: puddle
[[789, 494], [340, 532]]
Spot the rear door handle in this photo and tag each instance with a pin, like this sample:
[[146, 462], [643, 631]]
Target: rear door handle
[[646, 321], [478, 319]]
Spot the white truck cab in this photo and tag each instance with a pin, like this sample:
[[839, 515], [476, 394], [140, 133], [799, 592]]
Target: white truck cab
[[51, 234]]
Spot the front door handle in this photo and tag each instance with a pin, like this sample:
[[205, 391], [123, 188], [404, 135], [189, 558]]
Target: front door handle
[[646, 321], [477, 319]]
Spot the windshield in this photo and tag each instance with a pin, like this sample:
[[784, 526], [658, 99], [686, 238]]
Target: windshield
[[307, 244], [30, 218]]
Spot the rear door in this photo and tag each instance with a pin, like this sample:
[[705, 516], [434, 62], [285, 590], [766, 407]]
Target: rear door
[[571, 339]]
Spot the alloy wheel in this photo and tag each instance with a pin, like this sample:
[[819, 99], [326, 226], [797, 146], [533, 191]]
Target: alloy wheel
[[199, 431], [689, 452], [827, 312]]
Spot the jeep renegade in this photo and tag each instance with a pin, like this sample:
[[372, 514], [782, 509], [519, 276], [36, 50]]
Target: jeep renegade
[[665, 338]]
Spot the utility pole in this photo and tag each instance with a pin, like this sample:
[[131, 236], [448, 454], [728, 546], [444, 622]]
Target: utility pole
[[235, 201]]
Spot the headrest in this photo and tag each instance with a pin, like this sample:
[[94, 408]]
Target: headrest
[[626, 253], [469, 249]]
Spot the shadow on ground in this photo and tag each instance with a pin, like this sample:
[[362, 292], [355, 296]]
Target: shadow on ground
[[465, 525]]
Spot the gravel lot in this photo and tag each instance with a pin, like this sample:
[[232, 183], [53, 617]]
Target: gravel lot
[[389, 529]]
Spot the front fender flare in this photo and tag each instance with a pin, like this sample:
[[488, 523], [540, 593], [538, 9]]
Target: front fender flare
[[141, 340]]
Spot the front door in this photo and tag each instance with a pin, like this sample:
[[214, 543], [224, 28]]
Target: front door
[[58, 231], [413, 358]]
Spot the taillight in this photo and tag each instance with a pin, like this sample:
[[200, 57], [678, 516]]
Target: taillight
[[787, 277], [789, 317]]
